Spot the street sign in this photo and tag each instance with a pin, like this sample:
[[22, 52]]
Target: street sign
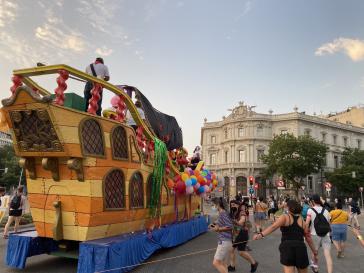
[[251, 190]]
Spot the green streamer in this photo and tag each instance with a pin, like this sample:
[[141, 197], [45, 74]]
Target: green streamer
[[160, 158]]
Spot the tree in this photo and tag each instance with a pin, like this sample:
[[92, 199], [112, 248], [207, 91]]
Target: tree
[[352, 161], [9, 160], [294, 158]]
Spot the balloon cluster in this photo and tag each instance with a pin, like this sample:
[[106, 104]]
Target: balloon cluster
[[191, 181]]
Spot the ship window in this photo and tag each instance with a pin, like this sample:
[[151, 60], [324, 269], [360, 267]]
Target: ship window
[[114, 190], [92, 138], [149, 189], [136, 194], [119, 143]]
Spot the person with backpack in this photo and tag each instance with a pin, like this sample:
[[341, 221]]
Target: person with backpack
[[305, 207], [339, 227], [99, 70], [16, 207], [319, 218], [241, 226], [354, 212]]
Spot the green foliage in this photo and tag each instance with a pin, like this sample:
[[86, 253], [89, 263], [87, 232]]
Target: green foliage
[[294, 158], [9, 160], [352, 161]]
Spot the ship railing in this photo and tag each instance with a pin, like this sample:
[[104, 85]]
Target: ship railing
[[64, 72]]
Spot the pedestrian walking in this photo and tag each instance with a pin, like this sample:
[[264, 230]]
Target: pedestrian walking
[[273, 207], [241, 237], [319, 218], [305, 207], [339, 227], [260, 214], [99, 70], [293, 250], [354, 212], [16, 209], [223, 227]]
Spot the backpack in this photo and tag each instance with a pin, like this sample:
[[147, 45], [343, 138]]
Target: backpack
[[15, 202], [322, 226]]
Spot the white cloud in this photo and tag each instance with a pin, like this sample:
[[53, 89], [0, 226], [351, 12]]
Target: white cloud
[[353, 48], [8, 12], [103, 51], [57, 38], [246, 9]]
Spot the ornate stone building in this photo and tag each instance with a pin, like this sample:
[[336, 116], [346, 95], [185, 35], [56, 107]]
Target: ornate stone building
[[232, 147]]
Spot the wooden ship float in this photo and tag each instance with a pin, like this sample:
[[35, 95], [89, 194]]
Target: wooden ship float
[[91, 177]]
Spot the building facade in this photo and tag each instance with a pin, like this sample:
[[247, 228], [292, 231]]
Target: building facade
[[5, 138], [233, 146]]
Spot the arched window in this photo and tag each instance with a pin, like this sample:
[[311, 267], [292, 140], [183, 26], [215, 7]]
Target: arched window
[[149, 189], [119, 143], [226, 186], [241, 185], [136, 194], [92, 138], [114, 190]]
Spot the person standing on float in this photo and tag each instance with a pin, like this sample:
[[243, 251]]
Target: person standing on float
[[101, 71]]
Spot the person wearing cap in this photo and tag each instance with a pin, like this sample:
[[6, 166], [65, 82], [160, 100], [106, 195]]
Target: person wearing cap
[[319, 241], [101, 71]]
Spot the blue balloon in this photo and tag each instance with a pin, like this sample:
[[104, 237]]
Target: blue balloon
[[188, 182], [201, 189], [194, 181]]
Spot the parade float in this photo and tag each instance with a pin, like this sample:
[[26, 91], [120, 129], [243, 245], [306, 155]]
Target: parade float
[[100, 190]]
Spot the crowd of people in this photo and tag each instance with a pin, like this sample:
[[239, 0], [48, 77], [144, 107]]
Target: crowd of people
[[311, 223]]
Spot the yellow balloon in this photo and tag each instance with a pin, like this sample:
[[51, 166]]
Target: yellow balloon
[[184, 177], [193, 176]]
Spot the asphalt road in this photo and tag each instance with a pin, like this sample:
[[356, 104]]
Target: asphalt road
[[265, 251]]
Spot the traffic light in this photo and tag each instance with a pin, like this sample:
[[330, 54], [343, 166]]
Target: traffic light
[[251, 180], [256, 186]]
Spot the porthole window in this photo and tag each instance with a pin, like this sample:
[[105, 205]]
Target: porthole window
[[136, 193], [114, 190], [92, 138], [119, 143]]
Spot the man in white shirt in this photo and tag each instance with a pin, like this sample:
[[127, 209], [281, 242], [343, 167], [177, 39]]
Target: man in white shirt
[[320, 241], [99, 70], [129, 117]]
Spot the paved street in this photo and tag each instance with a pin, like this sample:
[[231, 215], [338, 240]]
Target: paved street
[[265, 251]]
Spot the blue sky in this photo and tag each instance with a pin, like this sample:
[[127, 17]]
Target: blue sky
[[196, 59]]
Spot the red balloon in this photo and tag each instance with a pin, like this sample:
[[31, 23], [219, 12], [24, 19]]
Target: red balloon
[[181, 187]]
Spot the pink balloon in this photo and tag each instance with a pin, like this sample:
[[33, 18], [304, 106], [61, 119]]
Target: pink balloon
[[114, 101], [189, 190]]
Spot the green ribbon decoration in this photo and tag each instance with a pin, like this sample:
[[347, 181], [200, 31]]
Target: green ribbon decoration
[[160, 158]]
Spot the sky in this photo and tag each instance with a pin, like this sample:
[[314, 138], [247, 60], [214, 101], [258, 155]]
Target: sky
[[196, 59]]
